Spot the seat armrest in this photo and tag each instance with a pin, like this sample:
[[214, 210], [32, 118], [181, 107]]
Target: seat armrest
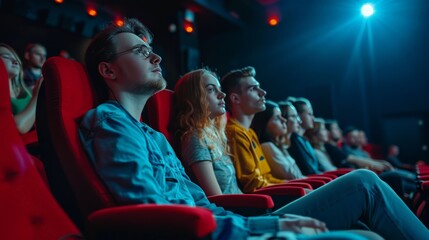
[[282, 190], [340, 171], [315, 183], [145, 220], [292, 184], [327, 175], [242, 200], [321, 178], [424, 186]]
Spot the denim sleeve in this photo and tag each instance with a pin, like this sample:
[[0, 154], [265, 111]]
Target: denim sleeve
[[231, 225], [121, 161]]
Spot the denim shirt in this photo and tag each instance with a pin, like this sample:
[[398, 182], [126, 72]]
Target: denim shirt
[[138, 165]]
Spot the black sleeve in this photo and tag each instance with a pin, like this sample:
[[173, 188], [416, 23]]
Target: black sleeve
[[306, 164]]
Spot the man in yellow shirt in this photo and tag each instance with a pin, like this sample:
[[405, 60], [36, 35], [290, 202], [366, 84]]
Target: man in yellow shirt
[[245, 98]]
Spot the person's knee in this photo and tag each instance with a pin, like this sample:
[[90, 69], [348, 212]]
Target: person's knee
[[364, 174], [362, 178]]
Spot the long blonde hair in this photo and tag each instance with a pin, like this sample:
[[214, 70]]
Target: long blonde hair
[[18, 85], [192, 110]]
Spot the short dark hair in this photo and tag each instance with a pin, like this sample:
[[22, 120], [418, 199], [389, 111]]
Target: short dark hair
[[350, 129], [299, 103], [102, 49], [329, 123], [283, 105], [230, 82]]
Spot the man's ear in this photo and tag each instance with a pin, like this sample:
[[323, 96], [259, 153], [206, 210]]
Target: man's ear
[[106, 71], [234, 97]]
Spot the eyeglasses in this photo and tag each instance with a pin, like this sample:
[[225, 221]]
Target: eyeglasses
[[141, 50]]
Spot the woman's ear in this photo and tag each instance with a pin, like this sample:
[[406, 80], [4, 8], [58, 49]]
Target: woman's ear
[[106, 71]]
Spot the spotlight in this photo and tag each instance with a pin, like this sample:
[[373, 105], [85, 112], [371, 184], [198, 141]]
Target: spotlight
[[367, 10], [189, 28], [59, 1], [119, 22], [91, 11], [273, 21]]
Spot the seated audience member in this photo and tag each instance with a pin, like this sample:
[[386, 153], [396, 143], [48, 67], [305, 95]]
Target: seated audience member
[[200, 109], [300, 148], [35, 57], [200, 113], [318, 136], [353, 142], [402, 182], [341, 159], [273, 133], [335, 133], [392, 158], [64, 53], [244, 99], [353, 145], [22, 99]]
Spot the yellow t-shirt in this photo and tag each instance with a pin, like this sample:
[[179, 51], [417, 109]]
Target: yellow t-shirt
[[251, 167]]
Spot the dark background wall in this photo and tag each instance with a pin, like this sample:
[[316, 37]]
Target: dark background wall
[[370, 73]]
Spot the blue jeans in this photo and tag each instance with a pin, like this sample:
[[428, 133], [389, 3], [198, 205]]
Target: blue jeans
[[360, 195]]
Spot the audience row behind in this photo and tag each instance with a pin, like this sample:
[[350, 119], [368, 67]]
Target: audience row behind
[[201, 110]]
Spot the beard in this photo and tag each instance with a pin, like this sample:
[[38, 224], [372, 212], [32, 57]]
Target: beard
[[151, 87]]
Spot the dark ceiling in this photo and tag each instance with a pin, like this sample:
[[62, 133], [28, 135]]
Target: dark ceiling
[[212, 16]]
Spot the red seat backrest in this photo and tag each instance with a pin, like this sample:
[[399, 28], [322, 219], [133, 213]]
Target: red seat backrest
[[158, 112], [68, 97], [28, 210]]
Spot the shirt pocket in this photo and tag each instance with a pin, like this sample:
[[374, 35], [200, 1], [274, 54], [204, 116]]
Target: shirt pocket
[[159, 169]]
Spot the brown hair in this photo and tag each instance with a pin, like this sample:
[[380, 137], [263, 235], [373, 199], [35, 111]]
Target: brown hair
[[311, 134], [231, 81], [102, 49]]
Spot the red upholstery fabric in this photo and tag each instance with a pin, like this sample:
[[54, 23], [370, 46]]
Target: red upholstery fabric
[[68, 97], [30, 137], [374, 150], [28, 210], [159, 110], [188, 222]]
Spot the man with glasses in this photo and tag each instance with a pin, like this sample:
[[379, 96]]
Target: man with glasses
[[138, 165]]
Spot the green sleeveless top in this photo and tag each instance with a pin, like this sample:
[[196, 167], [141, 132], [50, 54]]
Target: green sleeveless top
[[18, 104]]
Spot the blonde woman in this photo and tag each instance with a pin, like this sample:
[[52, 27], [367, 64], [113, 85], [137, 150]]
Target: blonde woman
[[200, 110], [22, 99]]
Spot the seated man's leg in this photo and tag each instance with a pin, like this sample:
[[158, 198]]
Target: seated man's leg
[[360, 195]]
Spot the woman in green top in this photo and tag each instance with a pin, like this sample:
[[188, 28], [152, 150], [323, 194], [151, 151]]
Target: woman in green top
[[22, 100]]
